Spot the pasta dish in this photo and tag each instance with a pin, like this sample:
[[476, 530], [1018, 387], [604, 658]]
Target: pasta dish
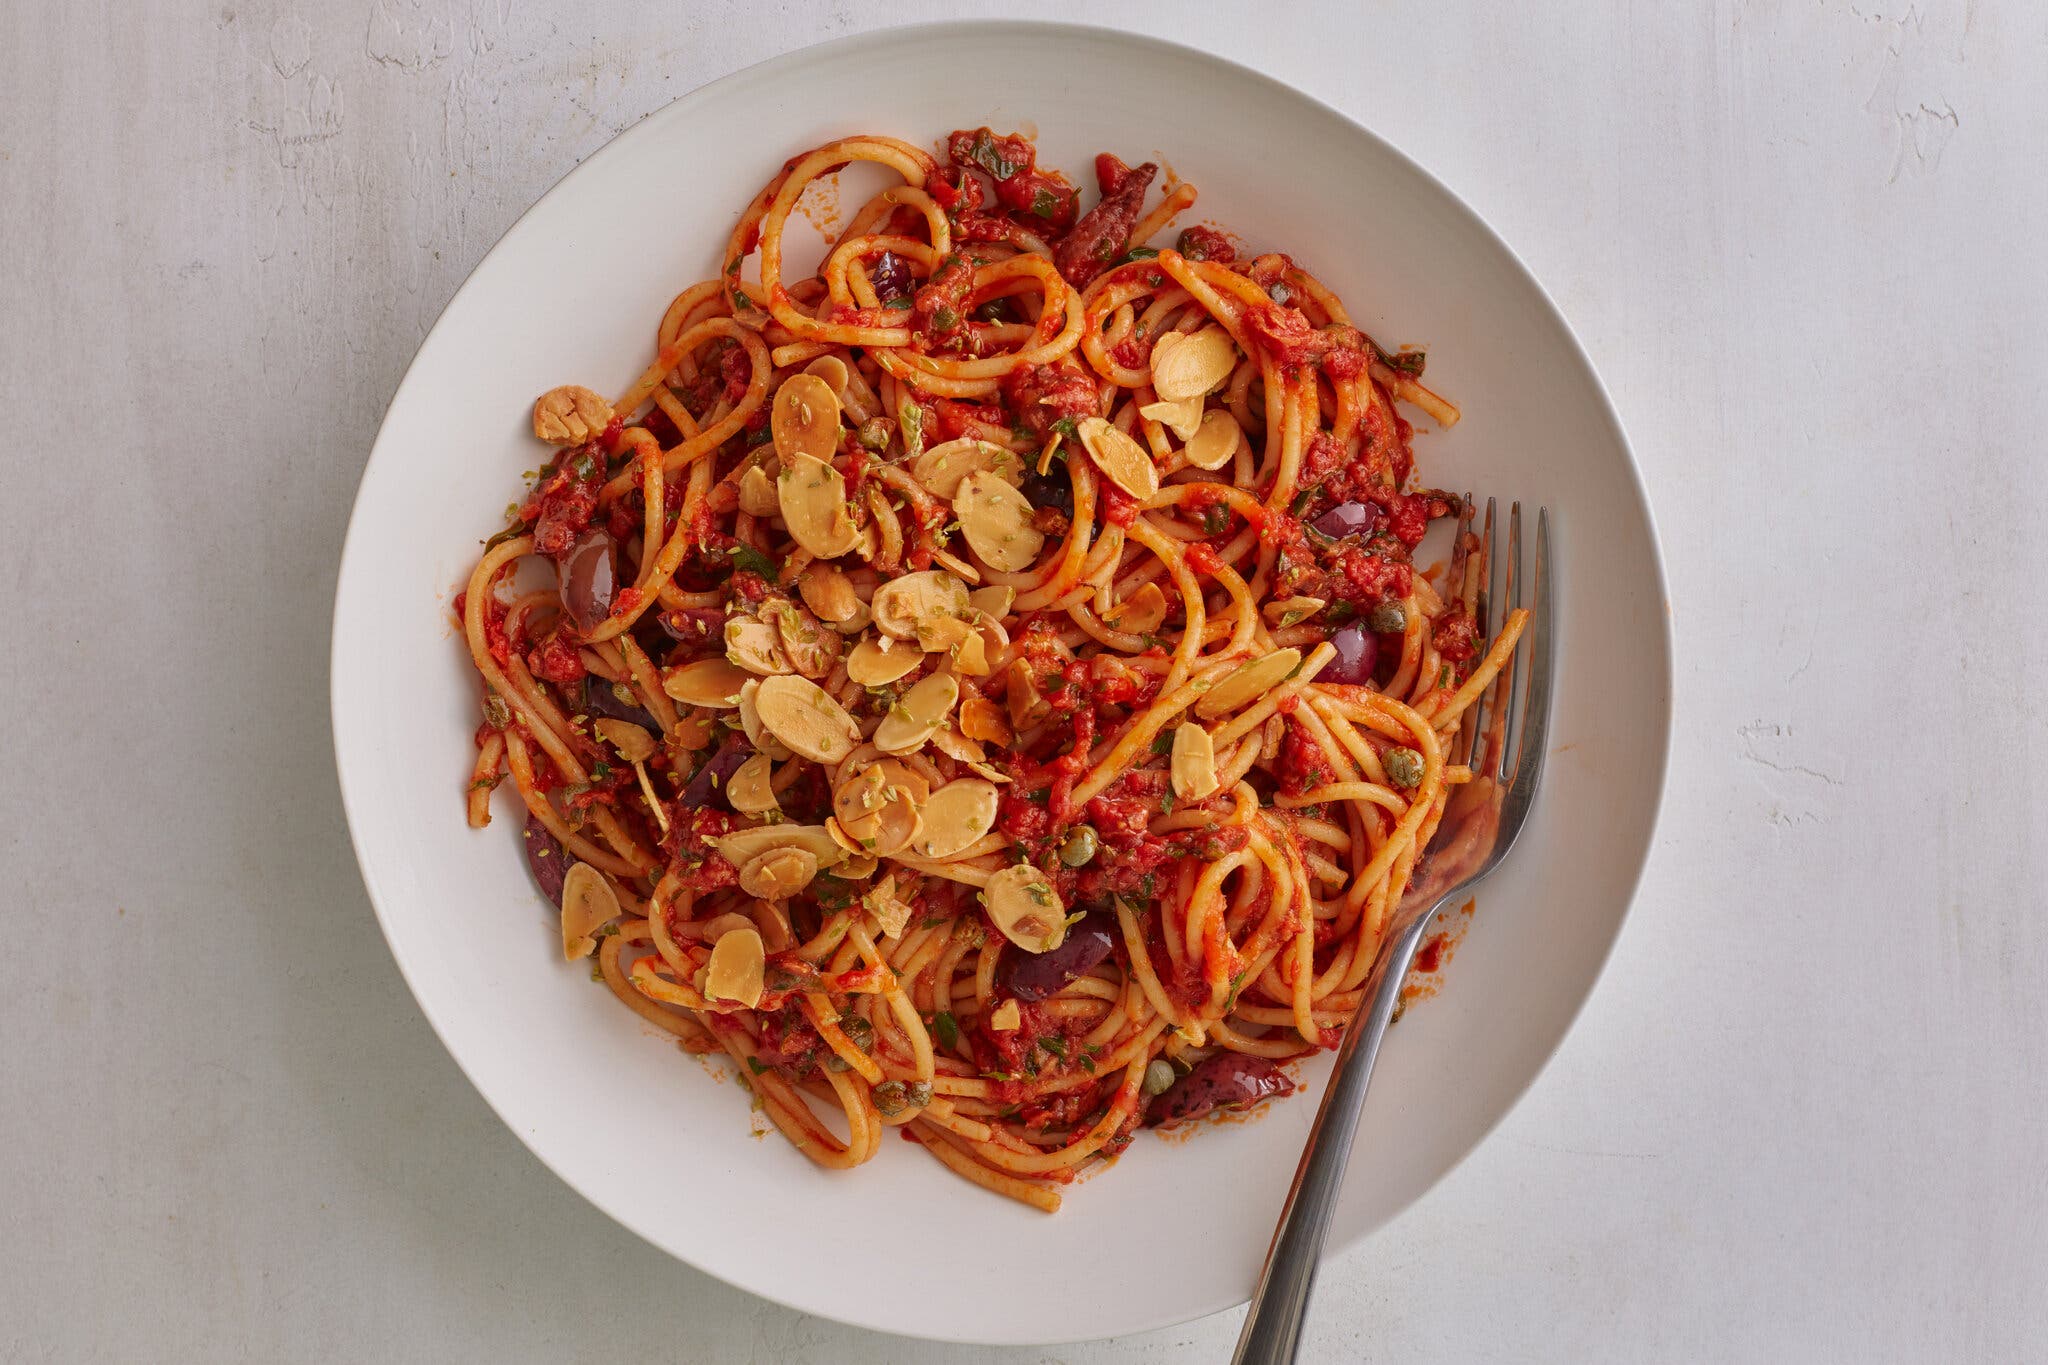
[[985, 687]]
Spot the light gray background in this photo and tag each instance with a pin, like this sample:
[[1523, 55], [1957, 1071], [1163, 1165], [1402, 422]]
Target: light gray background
[[1803, 1116]]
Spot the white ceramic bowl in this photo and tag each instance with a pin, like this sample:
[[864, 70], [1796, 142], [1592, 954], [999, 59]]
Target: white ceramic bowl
[[573, 294]]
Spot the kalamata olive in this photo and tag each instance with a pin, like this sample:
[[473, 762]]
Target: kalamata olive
[[544, 854], [1035, 976], [590, 580], [711, 776], [890, 275], [602, 698], [1358, 653], [1348, 519], [1054, 490], [1229, 1080]]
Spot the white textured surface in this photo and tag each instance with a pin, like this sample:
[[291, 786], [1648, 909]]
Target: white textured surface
[[1802, 1117]]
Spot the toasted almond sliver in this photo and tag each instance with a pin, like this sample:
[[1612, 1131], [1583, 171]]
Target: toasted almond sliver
[[958, 747], [1291, 611], [870, 665], [858, 867], [1215, 442], [805, 419], [742, 846], [904, 605], [588, 904], [749, 788], [1198, 364], [877, 808], [1027, 705], [799, 713], [757, 494], [778, 874], [708, 682], [812, 496], [1143, 612], [996, 520], [1248, 683], [1007, 1017], [992, 774], [981, 719], [754, 645], [1026, 908], [570, 415], [970, 656], [1194, 762], [892, 914], [832, 370], [632, 741], [1183, 418], [992, 602], [735, 970], [805, 642], [924, 708], [1122, 460], [941, 468], [750, 723], [829, 592], [955, 817]]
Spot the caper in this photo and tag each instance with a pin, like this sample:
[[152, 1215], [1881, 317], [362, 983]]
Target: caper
[[1389, 616], [891, 1097], [1404, 767], [920, 1093], [1159, 1076], [858, 1031], [1079, 848], [835, 1062]]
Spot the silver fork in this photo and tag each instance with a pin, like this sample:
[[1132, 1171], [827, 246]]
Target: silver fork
[[1272, 1330]]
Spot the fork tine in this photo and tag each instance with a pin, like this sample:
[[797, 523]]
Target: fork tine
[[1511, 707], [1542, 649], [1478, 758]]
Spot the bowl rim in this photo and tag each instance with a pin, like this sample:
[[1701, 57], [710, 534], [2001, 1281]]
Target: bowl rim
[[355, 545]]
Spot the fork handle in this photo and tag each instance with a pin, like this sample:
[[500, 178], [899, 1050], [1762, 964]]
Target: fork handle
[[1272, 1329]]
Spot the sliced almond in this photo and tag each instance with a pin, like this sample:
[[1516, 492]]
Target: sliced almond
[[570, 415], [879, 662], [757, 494], [992, 774], [832, 370], [1142, 613], [813, 649], [858, 867], [904, 605], [891, 912], [956, 816], [742, 846], [632, 741], [1193, 767], [1215, 442], [1026, 908], [736, 967], [754, 645], [943, 633], [708, 682], [750, 789], [812, 496], [750, 722], [1200, 362], [878, 808], [829, 592], [1183, 418], [588, 904], [970, 656], [1027, 705], [1122, 460], [799, 713], [1291, 611], [996, 519], [1248, 683], [1007, 1017], [992, 602], [805, 419], [941, 468], [981, 719], [958, 747], [779, 874], [924, 708]]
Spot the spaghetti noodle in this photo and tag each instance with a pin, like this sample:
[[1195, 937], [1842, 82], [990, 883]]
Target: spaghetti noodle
[[985, 689]]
